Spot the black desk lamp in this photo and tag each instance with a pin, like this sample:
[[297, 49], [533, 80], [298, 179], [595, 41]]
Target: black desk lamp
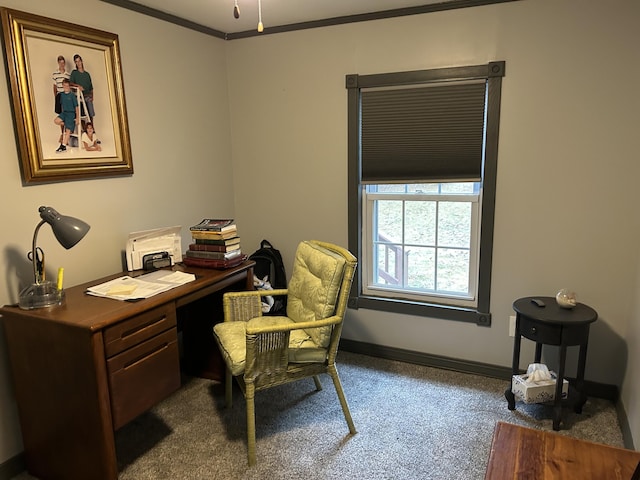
[[68, 231]]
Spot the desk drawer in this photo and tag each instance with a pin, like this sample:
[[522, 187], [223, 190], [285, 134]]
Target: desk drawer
[[134, 330], [142, 376]]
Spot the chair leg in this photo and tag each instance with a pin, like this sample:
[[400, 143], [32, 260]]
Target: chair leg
[[316, 380], [251, 423], [228, 388], [333, 371]]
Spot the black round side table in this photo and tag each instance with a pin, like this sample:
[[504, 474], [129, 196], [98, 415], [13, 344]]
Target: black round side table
[[553, 325]]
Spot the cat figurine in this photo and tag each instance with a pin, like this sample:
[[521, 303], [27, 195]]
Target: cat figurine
[[267, 301]]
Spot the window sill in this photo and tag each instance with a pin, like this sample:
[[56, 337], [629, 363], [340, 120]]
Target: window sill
[[444, 312]]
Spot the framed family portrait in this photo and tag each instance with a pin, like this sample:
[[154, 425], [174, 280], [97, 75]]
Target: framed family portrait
[[68, 99]]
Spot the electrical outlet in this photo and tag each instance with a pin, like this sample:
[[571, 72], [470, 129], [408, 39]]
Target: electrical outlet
[[512, 326]]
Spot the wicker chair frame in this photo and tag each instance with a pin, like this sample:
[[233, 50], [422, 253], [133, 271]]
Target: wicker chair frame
[[267, 348]]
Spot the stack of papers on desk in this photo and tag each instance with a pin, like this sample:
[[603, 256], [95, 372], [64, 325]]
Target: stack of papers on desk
[[144, 286], [153, 241]]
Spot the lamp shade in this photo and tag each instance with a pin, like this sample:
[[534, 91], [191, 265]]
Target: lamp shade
[[68, 230]]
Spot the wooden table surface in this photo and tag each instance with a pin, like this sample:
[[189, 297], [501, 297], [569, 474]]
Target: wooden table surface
[[524, 453]]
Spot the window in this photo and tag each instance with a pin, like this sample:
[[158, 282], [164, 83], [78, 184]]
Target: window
[[421, 242], [422, 176]]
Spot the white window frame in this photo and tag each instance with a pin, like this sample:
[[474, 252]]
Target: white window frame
[[370, 287]]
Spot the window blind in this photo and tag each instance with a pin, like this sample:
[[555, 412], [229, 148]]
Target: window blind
[[431, 132]]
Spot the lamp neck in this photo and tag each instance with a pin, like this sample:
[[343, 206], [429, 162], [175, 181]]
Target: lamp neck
[[35, 256]]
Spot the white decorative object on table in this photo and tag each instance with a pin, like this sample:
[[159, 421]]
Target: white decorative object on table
[[566, 298]]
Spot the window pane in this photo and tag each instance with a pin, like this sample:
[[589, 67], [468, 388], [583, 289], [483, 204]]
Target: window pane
[[389, 220], [392, 188], [420, 226], [449, 188], [421, 263], [453, 270], [431, 188], [389, 265], [454, 224]]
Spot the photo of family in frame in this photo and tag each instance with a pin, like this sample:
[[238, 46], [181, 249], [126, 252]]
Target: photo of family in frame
[[72, 108], [68, 99]]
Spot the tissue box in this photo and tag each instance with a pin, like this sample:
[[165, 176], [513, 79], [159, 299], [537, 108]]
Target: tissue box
[[537, 392]]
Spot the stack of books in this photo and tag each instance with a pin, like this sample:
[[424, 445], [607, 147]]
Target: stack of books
[[216, 244]]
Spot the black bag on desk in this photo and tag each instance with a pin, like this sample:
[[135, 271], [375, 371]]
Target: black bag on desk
[[269, 264]]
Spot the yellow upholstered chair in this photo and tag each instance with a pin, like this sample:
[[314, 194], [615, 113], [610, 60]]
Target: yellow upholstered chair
[[265, 351]]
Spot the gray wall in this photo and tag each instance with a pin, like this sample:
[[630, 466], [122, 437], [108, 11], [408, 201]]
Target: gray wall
[[566, 213], [180, 141], [261, 136]]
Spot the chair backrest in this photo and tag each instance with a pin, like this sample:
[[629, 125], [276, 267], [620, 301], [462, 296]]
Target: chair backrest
[[319, 286]]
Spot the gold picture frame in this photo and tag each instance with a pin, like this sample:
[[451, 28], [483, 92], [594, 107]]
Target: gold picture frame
[[33, 48]]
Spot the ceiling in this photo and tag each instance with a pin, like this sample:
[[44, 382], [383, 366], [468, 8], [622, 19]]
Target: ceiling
[[216, 16]]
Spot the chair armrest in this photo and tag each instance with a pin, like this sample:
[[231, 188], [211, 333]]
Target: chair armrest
[[237, 296], [325, 322], [276, 292], [243, 306]]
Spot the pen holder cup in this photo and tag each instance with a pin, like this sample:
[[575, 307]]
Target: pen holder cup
[[40, 295]]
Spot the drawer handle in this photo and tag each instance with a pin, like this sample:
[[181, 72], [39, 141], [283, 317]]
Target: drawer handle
[[147, 355], [138, 328], [534, 330]]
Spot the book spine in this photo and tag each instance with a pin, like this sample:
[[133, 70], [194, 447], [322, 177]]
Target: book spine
[[212, 255], [210, 263], [219, 241], [213, 248], [213, 235]]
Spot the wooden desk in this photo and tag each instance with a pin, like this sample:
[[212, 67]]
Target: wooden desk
[[524, 453], [84, 369]]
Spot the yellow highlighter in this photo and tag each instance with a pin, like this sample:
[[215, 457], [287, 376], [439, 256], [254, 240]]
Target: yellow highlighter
[[60, 277]]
